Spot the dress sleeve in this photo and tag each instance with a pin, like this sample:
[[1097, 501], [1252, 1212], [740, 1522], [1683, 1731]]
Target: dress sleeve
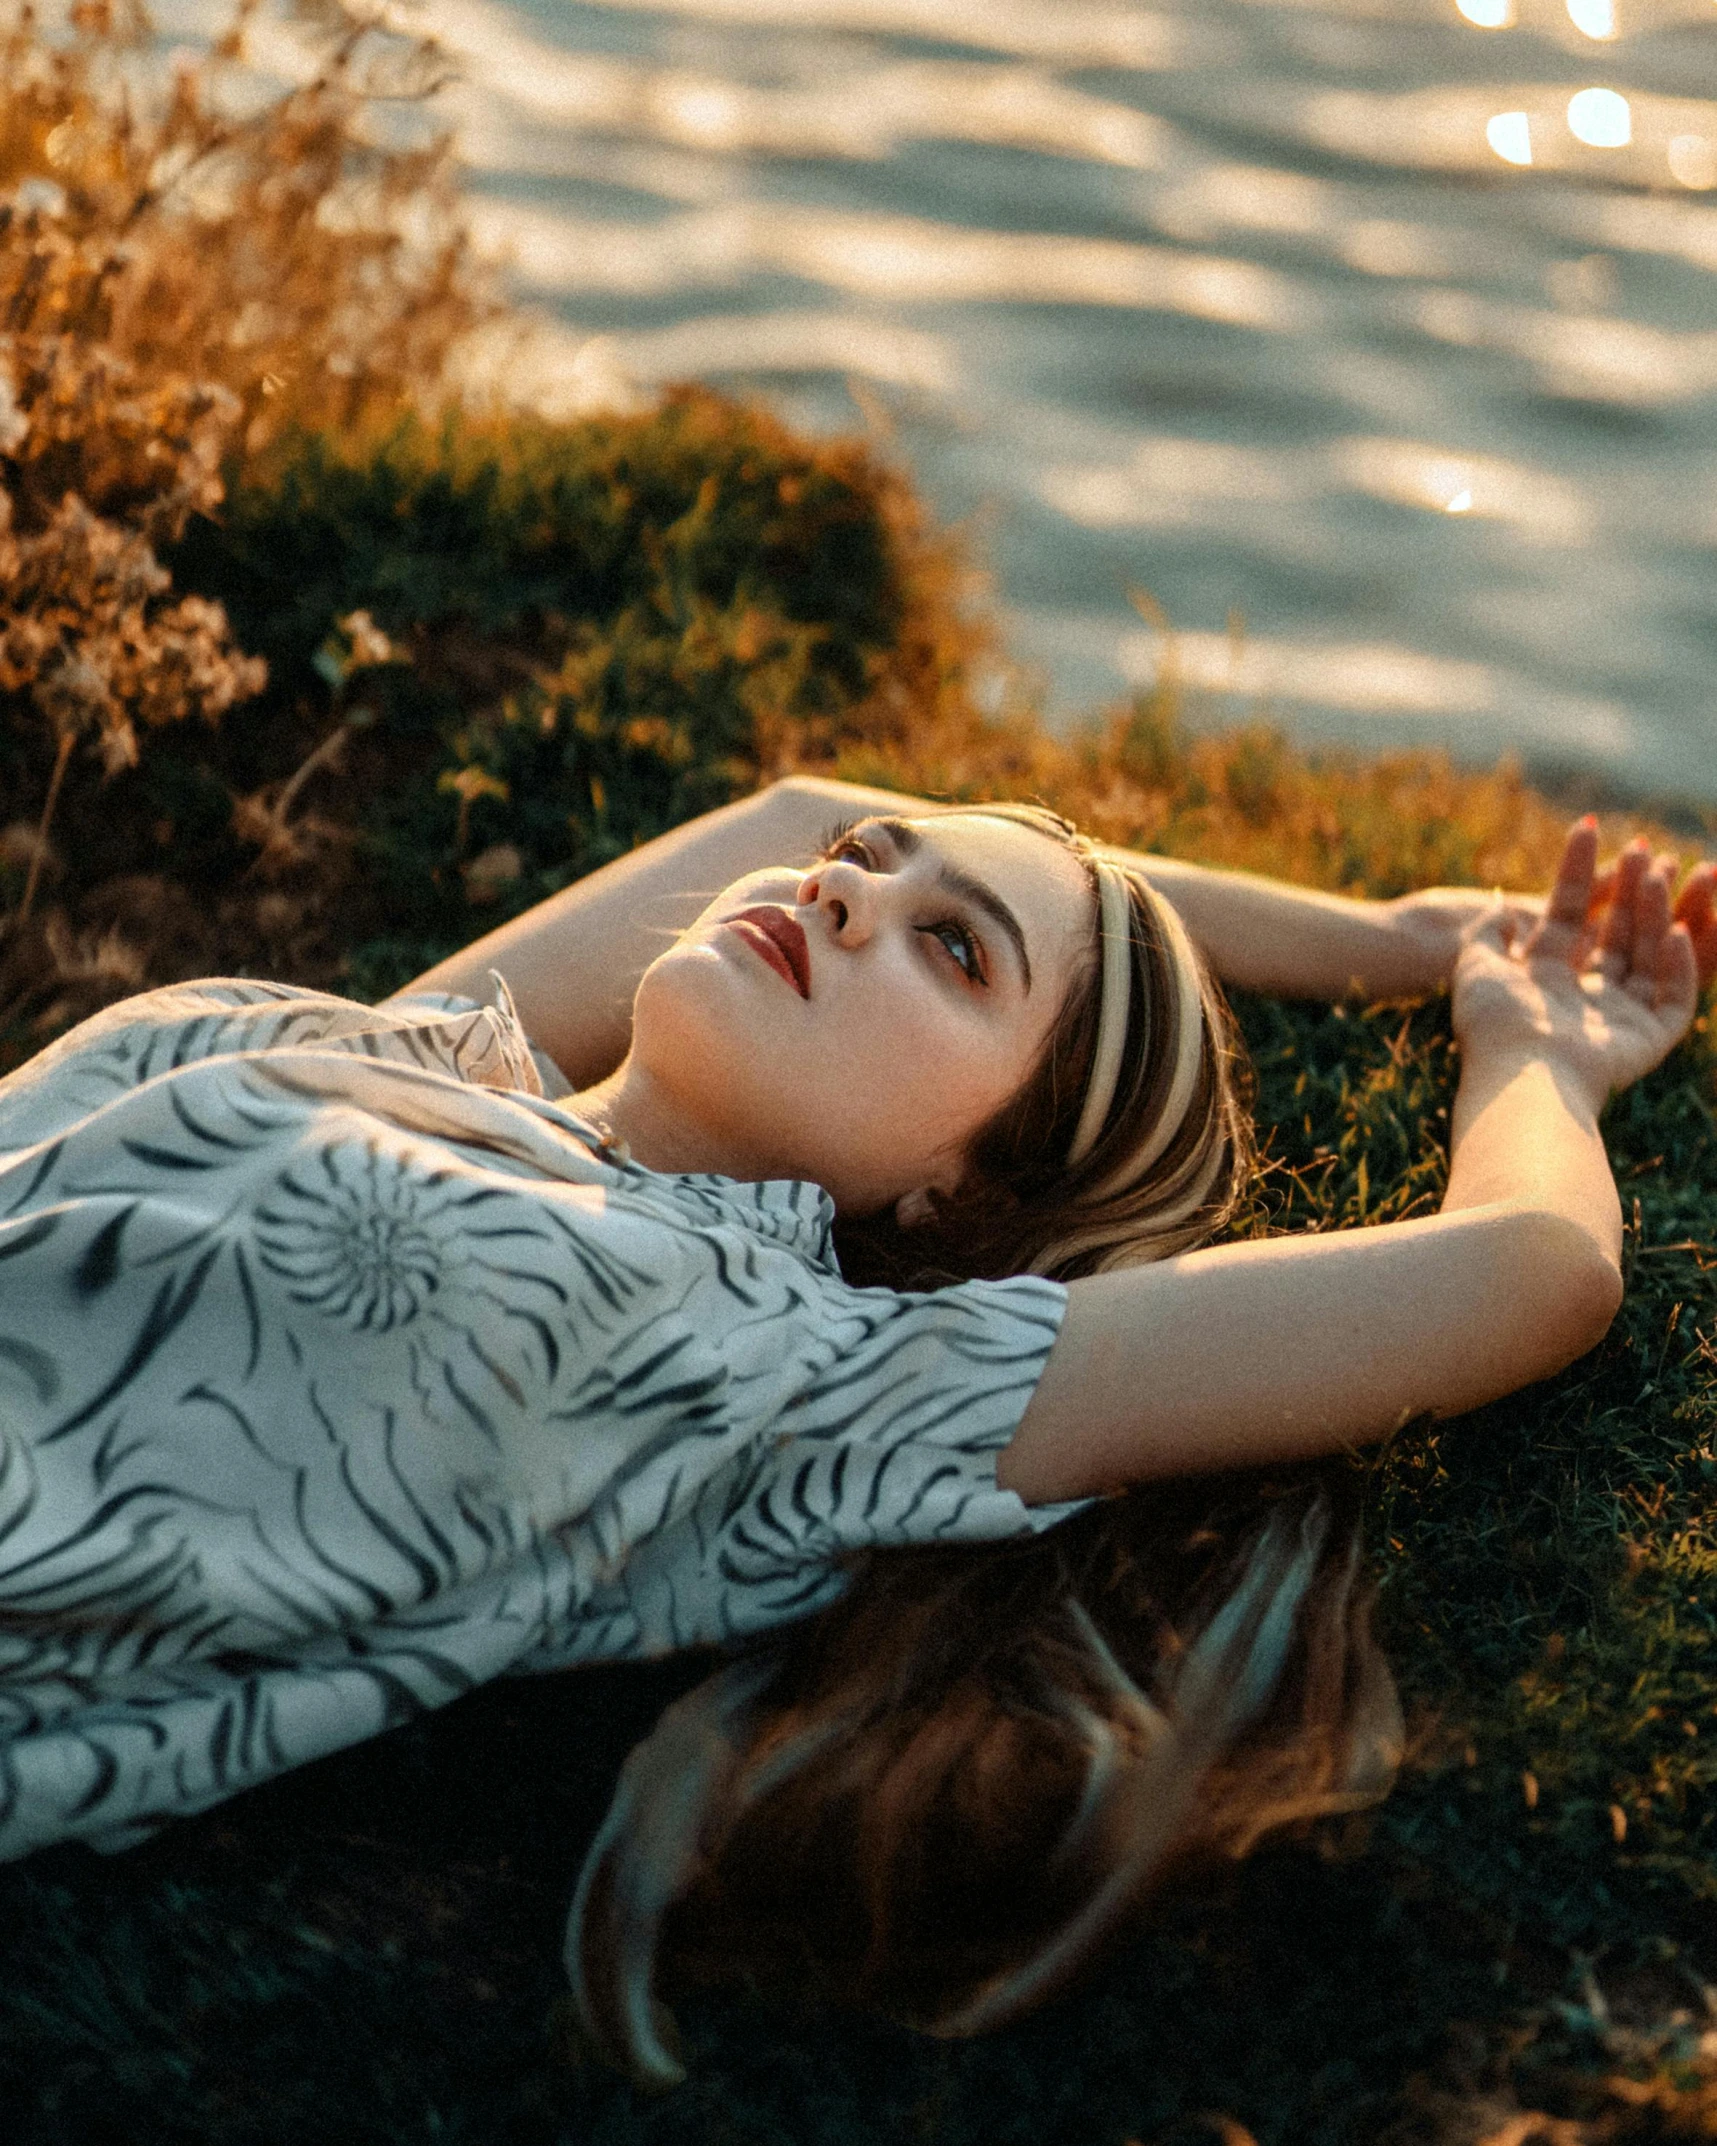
[[893, 1441], [896, 1441]]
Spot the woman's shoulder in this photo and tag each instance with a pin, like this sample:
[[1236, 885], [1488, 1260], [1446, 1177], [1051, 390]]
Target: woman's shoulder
[[176, 1025]]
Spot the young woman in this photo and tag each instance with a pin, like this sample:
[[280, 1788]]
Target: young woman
[[342, 1366]]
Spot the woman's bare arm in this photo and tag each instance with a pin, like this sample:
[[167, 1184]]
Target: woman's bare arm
[[1299, 942], [1326, 1342], [573, 962], [1254, 1354]]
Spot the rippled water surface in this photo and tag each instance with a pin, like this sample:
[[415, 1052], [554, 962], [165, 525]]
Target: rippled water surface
[[1319, 315]]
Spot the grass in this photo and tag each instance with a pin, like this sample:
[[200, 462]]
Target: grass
[[369, 1950], [595, 629]]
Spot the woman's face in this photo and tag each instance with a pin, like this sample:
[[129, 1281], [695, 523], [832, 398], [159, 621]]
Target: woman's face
[[857, 1023]]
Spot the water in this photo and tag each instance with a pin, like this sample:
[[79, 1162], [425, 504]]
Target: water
[[1251, 304]]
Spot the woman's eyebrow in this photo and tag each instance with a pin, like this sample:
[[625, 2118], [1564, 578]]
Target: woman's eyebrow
[[906, 840]]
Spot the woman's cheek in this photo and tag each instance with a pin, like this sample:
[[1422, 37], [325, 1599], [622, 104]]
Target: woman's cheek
[[918, 1077]]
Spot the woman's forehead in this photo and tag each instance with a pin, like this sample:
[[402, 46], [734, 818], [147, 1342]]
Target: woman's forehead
[[1014, 845]]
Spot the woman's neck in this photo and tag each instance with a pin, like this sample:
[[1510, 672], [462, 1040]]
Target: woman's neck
[[632, 1109]]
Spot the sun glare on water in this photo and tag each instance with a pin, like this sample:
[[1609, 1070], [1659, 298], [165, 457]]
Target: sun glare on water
[[1601, 118], [1510, 135], [1593, 18]]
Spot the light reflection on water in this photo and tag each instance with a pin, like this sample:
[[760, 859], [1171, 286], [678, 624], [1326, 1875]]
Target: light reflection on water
[[1389, 323]]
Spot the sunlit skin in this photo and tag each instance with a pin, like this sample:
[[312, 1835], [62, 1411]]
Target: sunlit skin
[[874, 1084], [924, 1014]]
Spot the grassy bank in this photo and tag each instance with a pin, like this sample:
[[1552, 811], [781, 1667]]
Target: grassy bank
[[369, 1950], [412, 668]]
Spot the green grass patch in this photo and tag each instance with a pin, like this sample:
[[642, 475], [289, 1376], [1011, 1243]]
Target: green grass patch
[[369, 1950], [597, 629]]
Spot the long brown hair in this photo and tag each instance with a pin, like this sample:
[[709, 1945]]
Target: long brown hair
[[945, 1794]]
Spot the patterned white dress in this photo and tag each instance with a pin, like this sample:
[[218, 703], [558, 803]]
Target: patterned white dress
[[340, 1372]]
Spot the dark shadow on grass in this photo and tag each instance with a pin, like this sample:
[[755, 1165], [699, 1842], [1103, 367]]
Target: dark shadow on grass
[[369, 1950]]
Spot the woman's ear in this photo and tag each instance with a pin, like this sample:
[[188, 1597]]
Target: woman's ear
[[913, 1209]]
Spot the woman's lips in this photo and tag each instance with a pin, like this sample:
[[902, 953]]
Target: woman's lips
[[780, 939]]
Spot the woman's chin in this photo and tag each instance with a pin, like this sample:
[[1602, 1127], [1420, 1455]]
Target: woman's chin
[[720, 985], [713, 1030]]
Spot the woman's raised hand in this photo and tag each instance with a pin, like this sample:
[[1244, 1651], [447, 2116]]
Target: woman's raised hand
[[1607, 999], [1695, 906], [1435, 922]]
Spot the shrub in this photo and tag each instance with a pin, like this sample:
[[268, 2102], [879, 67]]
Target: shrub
[[299, 254], [177, 284]]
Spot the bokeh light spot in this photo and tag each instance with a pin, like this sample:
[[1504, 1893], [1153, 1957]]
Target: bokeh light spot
[[1510, 135], [1593, 18], [1600, 118], [1487, 14]]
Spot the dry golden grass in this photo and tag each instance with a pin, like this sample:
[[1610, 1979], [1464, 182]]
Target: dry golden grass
[[1248, 799], [178, 285], [292, 256]]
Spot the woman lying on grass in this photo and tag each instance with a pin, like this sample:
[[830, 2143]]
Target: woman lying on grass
[[343, 1368]]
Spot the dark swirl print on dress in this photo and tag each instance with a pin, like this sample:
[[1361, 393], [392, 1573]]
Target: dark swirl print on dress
[[338, 1374], [356, 1236]]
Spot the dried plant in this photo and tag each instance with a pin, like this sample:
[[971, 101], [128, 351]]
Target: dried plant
[[306, 256], [180, 281]]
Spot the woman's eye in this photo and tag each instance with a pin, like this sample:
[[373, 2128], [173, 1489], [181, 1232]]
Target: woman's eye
[[842, 847], [961, 946]]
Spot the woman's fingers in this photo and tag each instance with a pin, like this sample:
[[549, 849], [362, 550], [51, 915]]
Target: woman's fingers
[[1678, 976], [1626, 921], [1651, 924], [1559, 931], [1695, 908], [1672, 995], [1615, 892], [1693, 903], [1615, 942]]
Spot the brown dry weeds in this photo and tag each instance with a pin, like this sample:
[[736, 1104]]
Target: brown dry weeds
[[180, 283]]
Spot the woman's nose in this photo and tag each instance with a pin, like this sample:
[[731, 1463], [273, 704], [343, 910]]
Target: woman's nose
[[845, 894]]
